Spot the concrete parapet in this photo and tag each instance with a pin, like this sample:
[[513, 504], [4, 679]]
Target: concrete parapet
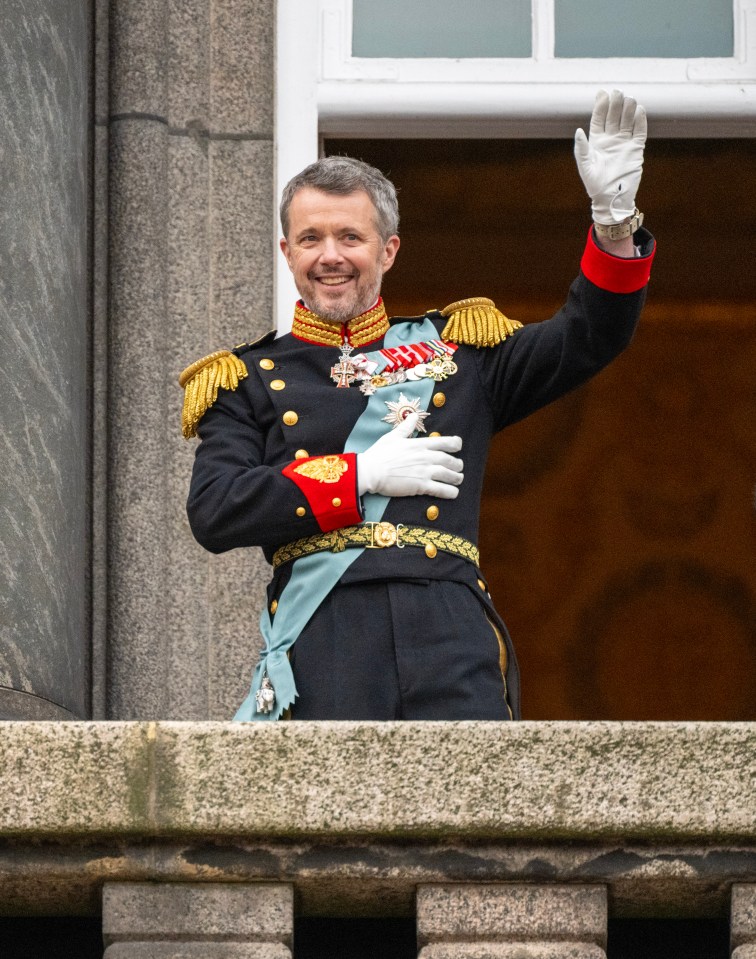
[[198, 920], [743, 920], [511, 921], [511, 950], [511, 912], [197, 950], [469, 781], [357, 816]]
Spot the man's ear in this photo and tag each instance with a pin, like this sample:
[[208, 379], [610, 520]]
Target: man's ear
[[390, 249], [284, 244]]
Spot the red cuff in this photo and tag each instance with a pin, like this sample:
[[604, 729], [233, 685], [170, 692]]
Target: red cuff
[[329, 483], [615, 273]]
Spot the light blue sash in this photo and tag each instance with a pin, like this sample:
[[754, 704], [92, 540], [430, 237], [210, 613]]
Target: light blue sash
[[313, 577]]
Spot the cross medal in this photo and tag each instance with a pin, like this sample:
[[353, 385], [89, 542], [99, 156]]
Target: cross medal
[[344, 371]]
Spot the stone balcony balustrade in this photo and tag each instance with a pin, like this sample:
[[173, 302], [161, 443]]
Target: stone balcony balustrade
[[504, 840]]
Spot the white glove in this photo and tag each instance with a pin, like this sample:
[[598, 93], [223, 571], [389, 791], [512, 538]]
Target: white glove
[[399, 465], [611, 162]]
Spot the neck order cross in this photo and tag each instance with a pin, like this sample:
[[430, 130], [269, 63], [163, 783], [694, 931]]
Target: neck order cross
[[344, 371]]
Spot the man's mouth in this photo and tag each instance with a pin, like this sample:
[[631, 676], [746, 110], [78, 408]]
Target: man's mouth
[[333, 280]]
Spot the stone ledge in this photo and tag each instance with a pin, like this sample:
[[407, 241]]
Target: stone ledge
[[652, 782], [373, 879]]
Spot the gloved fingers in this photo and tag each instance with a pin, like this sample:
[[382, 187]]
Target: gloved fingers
[[614, 112], [446, 444], [441, 491], [582, 147], [627, 120], [640, 126], [600, 110], [440, 474], [407, 427], [413, 461]]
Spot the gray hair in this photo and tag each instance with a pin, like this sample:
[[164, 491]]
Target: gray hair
[[342, 176]]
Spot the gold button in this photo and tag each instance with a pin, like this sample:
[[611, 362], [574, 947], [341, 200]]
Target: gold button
[[301, 510], [290, 418], [439, 399], [432, 512], [273, 606], [301, 455], [434, 433], [267, 364], [336, 502], [482, 585], [277, 384], [430, 551]]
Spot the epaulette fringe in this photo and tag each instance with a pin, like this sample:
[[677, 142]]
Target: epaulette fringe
[[201, 382], [476, 322]]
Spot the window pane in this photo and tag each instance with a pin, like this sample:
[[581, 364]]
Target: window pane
[[441, 28], [644, 28]]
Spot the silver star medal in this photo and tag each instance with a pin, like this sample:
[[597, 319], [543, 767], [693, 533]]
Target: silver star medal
[[400, 409]]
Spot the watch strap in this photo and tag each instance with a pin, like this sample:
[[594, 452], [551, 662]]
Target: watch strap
[[618, 231]]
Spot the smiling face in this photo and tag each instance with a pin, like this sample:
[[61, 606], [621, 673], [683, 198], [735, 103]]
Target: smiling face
[[336, 253]]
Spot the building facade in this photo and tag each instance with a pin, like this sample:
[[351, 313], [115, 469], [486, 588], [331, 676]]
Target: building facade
[[145, 144]]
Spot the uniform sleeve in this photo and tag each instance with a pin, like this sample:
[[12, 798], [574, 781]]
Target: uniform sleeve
[[236, 499], [543, 361]]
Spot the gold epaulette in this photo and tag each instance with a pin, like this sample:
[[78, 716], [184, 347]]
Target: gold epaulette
[[201, 381], [476, 322]]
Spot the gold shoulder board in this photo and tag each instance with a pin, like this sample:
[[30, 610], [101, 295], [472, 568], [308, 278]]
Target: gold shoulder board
[[201, 381], [476, 322]]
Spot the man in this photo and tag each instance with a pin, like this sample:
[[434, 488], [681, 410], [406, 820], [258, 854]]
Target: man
[[353, 449]]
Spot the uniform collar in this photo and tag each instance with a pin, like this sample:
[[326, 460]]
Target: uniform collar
[[359, 331]]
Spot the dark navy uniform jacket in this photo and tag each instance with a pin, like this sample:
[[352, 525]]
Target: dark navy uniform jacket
[[240, 497]]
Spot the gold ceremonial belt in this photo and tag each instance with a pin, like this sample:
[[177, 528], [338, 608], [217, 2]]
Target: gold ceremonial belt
[[378, 536]]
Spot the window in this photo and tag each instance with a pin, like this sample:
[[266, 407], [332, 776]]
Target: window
[[497, 29], [504, 69]]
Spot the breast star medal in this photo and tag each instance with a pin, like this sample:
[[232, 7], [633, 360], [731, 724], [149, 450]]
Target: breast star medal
[[400, 409]]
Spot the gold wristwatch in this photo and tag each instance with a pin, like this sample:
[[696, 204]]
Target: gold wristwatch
[[618, 231]]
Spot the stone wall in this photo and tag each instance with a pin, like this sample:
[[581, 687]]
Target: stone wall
[[45, 67], [190, 125], [137, 236]]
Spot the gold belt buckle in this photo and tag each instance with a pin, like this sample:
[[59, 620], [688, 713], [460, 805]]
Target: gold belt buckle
[[385, 534]]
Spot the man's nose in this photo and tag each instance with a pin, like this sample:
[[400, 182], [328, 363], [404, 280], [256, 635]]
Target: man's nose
[[330, 252]]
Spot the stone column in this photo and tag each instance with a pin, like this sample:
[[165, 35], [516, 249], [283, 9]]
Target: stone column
[[743, 921], [45, 150], [191, 213], [197, 920], [512, 921]]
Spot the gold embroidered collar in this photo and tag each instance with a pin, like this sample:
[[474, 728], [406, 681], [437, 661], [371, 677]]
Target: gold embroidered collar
[[363, 329]]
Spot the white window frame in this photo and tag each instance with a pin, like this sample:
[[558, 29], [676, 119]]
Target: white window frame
[[323, 91]]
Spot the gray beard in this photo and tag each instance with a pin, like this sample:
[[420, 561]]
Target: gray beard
[[347, 313]]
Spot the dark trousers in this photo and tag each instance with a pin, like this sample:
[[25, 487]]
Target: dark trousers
[[409, 649]]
